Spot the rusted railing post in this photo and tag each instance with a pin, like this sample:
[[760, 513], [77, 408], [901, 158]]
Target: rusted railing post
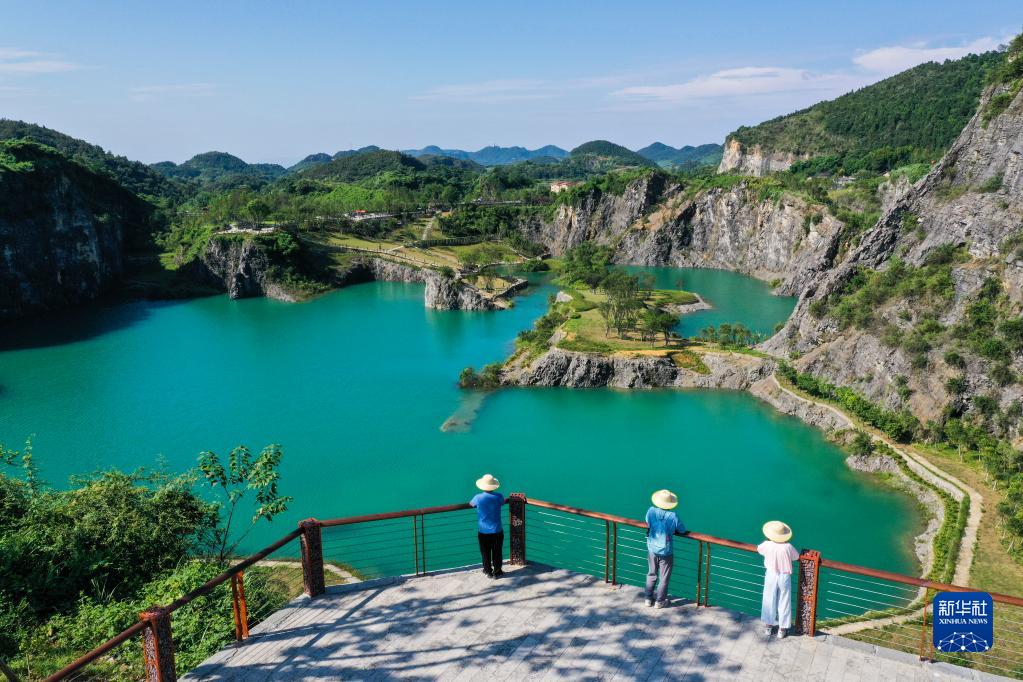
[[158, 646], [312, 557], [806, 604], [241, 611], [517, 521], [699, 572]]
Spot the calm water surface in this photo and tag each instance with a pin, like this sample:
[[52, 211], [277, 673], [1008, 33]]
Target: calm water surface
[[356, 384]]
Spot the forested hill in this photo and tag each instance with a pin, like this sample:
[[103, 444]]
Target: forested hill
[[602, 151], [688, 156], [493, 155], [920, 111], [132, 175], [219, 170]]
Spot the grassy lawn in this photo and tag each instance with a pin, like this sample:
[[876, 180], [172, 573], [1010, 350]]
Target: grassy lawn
[[585, 331]]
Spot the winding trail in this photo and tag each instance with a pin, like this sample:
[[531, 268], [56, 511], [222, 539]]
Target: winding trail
[[930, 473]]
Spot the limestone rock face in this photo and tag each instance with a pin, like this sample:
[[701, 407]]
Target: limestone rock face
[[754, 161], [559, 367], [241, 267], [62, 232], [972, 198], [599, 217], [442, 293], [732, 229]]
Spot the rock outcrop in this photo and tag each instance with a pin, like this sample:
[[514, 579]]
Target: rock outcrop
[[599, 216], [442, 293], [62, 231], [242, 267], [732, 229], [973, 198], [786, 240], [755, 161], [559, 367]]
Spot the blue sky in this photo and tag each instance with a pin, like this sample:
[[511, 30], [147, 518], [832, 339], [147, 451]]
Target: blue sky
[[274, 81]]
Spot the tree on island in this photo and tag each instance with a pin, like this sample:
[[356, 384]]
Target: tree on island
[[658, 321]]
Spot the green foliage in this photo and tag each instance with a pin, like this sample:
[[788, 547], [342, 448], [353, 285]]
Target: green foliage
[[110, 530], [132, 175], [201, 628], [901, 426], [912, 116], [586, 263], [734, 335], [586, 346], [234, 480], [487, 378], [602, 149], [867, 290], [992, 184]]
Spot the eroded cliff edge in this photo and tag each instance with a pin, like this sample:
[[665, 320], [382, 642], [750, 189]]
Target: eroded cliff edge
[[247, 267], [971, 206]]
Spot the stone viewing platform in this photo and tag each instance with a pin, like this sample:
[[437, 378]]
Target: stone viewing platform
[[536, 623]]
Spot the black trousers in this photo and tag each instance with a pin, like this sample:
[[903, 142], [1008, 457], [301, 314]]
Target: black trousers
[[490, 548]]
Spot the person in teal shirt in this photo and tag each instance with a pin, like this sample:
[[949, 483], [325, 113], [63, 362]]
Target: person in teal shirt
[[662, 524]]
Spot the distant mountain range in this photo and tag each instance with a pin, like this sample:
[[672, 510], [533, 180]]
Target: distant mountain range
[[493, 155], [665, 156], [217, 170]]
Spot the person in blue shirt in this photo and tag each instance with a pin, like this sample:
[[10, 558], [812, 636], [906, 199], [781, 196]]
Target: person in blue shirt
[[662, 524], [488, 514]]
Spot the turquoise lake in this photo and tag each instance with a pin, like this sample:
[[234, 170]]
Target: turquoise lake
[[356, 384]]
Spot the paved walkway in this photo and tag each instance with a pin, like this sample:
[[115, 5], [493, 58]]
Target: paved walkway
[[536, 623]]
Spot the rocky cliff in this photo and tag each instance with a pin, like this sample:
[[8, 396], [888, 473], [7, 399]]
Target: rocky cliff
[[598, 216], [442, 293], [242, 267], [655, 223], [967, 213], [755, 161], [559, 367], [786, 240], [62, 230], [245, 267]]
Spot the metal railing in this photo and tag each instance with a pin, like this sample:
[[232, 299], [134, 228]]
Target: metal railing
[[879, 607]]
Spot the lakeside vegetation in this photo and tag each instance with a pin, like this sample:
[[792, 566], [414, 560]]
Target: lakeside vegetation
[[81, 562]]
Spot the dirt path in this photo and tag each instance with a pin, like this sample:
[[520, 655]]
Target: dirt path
[[930, 473]]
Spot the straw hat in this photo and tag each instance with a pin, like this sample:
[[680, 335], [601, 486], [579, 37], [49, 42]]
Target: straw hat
[[776, 531], [665, 499], [488, 483]]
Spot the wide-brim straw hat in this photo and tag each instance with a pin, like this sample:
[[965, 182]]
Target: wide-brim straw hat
[[665, 499], [487, 483], [776, 531]]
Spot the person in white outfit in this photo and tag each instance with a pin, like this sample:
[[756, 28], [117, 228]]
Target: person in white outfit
[[778, 557]]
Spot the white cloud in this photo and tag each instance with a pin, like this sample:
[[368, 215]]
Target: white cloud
[[492, 91], [896, 58], [741, 82], [150, 92], [15, 61]]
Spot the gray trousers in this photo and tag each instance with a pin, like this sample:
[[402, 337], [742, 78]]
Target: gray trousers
[[659, 572]]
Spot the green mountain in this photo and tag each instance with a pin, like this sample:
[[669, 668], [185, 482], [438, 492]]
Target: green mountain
[[362, 165], [606, 154], [132, 175], [309, 162], [915, 115], [493, 155], [219, 170], [687, 156]]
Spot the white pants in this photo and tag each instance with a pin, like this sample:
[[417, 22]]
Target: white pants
[[777, 604]]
